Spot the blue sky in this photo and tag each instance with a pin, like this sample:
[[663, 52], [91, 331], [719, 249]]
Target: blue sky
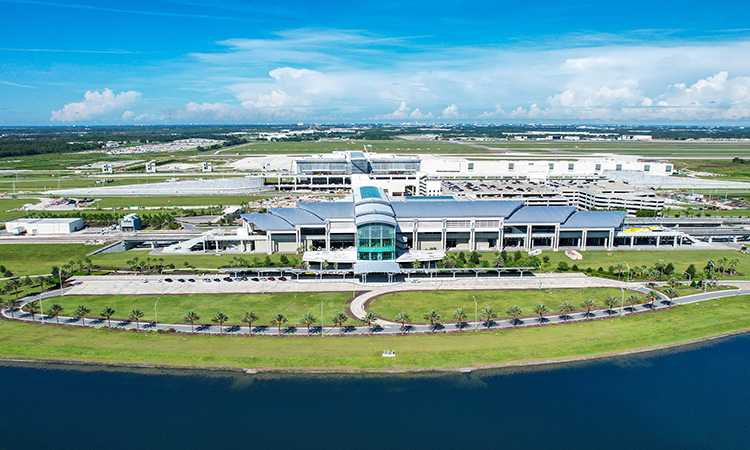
[[201, 61]]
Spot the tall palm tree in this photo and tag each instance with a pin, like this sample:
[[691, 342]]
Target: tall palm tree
[[540, 310], [339, 320], [81, 312], [279, 320], [611, 303], [588, 304], [632, 301], [620, 267], [11, 304], [402, 318], [488, 314], [651, 297], [136, 315], [55, 310], [249, 317], [108, 313], [460, 317], [514, 312], [672, 294], [733, 265], [432, 316], [308, 319], [31, 307], [220, 318], [192, 317], [13, 285], [370, 320], [565, 309]]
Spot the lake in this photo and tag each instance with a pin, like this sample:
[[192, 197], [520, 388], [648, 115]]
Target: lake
[[694, 398]]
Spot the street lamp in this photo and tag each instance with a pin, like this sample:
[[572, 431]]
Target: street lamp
[[622, 302], [627, 278], [476, 311], [690, 277], [540, 276], [156, 321]]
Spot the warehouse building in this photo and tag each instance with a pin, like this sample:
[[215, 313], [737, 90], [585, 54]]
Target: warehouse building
[[44, 226]]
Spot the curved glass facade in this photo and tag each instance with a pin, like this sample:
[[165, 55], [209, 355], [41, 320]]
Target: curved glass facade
[[376, 242]]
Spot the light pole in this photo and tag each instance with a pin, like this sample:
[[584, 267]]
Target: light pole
[[622, 302], [156, 321], [627, 278], [59, 275], [476, 310], [690, 277], [540, 276]]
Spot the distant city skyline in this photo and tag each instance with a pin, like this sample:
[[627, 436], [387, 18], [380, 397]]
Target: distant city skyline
[[222, 62]]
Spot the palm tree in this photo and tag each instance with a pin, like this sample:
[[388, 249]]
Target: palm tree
[[611, 303], [249, 318], [192, 317], [460, 317], [588, 304], [308, 319], [402, 318], [370, 319], [108, 313], [632, 301], [31, 307], [619, 267], [565, 309], [12, 286], [55, 310], [514, 312], [339, 320], [279, 320], [673, 281], [432, 316], [220, 318], [733, 265], [488, 314], [651, 297], [81, 312], [672, 294], [540, 310], [136, 315], [10, 304]]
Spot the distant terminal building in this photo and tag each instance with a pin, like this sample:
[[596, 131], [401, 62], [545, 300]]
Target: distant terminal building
[[131, 222], [373, 226], [150, 167], [44, 226]]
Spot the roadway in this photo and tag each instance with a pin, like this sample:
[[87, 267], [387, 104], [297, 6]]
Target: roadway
[[132, 285]]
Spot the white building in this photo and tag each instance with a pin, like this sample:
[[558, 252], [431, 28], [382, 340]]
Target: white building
[[107, 168], [207, 167], [44, 226], [150, 167]]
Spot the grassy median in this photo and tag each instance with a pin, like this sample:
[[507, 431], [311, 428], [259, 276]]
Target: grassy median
[[695, 321]]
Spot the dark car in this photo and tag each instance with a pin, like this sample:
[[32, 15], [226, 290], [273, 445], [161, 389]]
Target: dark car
[[181, 280], [254, 279], [227, 279], [217, 280], [168, 280], [282, 278], [191, 280]]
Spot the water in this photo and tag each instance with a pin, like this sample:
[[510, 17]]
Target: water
[[697, 398]]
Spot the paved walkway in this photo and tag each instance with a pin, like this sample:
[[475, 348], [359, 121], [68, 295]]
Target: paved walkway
[[132, 285]]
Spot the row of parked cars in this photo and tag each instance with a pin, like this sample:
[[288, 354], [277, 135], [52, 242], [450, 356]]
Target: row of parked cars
[[218, 280]]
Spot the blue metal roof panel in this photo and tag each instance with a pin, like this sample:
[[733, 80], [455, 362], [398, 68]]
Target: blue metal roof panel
[[330, 210], [369, 208], [375, 218], [595, 219], [455, 208], [268, 222], [297, 216], [541, 214]]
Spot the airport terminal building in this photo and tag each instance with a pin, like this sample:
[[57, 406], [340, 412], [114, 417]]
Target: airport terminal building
[[371, 226]]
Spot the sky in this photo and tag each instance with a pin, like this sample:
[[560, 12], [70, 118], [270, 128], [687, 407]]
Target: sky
[[86, 62]]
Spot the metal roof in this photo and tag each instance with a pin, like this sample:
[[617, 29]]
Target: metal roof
[[297, 216], [376, 267], [268, 222], [595, 219], [455, 208], [541, 214], [330, 210]]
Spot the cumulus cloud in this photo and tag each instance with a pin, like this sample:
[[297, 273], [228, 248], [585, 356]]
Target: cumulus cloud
[[200, 112], [95, 104], [451, 112], [404, 112]]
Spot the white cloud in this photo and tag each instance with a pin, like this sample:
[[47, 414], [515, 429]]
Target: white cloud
[[95, 104], [451, 112], [417, 114]]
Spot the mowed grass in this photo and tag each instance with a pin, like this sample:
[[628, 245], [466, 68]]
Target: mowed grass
[[175, 201], [8, 204], [700, 320], [172, 308], [37, 259], [417, 303], [393, 146]]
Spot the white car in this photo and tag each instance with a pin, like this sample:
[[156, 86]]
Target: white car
[[143, 280]]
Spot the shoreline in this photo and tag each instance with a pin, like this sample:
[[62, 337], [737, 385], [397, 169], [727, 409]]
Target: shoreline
[[436, 370]]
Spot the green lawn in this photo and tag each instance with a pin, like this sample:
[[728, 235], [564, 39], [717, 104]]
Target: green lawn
[[37, 259], [172, 308], [394, 146], [417, 303], [7, 204], [176, 201], [700, 320]]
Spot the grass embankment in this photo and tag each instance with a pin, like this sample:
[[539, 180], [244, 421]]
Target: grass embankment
[[176, 201], [417, 303], [696, 321], [172, 308], [7, 204], [393, 146]]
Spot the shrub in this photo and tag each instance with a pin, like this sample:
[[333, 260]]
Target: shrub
[[562, 266]]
